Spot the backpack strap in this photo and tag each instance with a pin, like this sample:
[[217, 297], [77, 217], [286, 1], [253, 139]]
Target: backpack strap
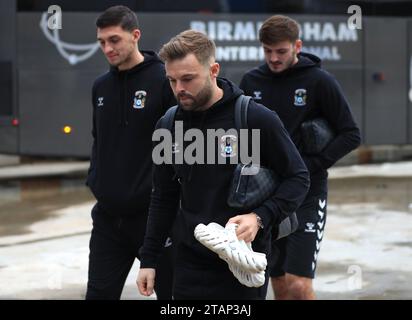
[[241, 108], [167, 121]]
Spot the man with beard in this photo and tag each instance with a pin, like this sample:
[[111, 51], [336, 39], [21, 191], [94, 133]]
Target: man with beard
[[293, 84], [208, 102], [127, 102]]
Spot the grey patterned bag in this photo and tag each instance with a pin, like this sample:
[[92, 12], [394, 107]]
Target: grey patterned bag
[[253, 184], [316, 135]]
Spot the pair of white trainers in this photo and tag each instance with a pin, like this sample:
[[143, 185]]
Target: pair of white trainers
[[245, 264]]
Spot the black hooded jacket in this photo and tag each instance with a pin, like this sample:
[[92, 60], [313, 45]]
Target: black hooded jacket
[[203, 188], [322, 96], [126, 107]]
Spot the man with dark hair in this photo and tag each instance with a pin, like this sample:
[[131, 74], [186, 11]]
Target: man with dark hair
[[127, 102], [294, 85], [206, 102]]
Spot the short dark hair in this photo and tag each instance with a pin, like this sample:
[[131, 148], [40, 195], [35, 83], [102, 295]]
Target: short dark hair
[[118, 16], [186, 42], [279, 28]]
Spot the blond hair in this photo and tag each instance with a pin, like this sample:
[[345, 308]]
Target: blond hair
[[186, 42]]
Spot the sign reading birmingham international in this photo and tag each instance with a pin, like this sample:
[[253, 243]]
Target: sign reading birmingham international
[[223, 31]]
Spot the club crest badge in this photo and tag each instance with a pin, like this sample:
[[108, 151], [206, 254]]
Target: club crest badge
[[300, 97], [139, 99], [228, 146]]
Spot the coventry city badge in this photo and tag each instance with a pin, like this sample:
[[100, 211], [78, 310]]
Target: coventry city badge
[[300, 97], [139, 99], [228, 146]]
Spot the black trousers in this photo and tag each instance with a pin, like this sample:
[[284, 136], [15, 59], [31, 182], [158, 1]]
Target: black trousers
[[200, 279], [114, 246]]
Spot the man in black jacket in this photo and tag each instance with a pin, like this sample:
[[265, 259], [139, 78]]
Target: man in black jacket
[[127, 102], [207, 102], [294, 85]]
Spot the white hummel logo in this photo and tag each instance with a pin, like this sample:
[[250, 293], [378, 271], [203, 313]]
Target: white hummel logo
[[322, 204], [175, 147], [168, 242], [100, 101], [309, 227], [321, 214], [258, 95]]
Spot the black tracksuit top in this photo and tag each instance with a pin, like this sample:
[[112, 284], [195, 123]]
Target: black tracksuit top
[[126, 107], [203, 188], [322, 96]]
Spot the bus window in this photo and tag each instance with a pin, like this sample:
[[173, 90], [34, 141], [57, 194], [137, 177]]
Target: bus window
[[6, 89]]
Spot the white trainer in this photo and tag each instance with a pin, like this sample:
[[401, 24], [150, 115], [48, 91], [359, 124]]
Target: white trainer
[[249, 279], [225, 243]]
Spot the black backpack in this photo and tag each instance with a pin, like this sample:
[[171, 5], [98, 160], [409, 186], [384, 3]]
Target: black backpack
[[288, 224]]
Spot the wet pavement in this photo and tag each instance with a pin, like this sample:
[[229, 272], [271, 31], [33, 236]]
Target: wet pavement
[[367, 249], [366, 252]]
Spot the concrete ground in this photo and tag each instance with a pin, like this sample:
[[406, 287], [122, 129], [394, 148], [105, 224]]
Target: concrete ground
[[366, 252], [7, 160]]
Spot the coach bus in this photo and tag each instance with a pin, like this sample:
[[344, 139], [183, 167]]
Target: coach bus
[[46, 73]]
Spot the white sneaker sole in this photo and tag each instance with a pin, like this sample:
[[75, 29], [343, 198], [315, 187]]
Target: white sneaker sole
[[249, 279], [225, 243]]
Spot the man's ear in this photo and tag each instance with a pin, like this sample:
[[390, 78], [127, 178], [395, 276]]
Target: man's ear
[[298, 46], [214, 70], [136, 34]]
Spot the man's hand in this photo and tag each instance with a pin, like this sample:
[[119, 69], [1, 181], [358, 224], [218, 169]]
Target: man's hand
[[145, 281], [248, 226]]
